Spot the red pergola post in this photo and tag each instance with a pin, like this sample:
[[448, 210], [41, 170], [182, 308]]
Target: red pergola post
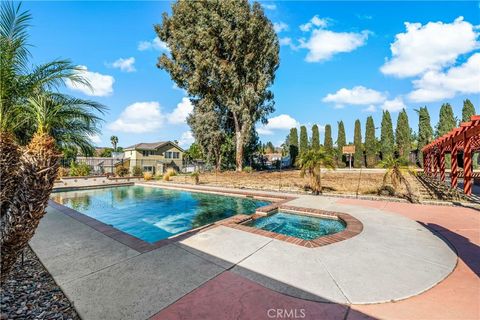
[[434, 165], [467, 165], [454, 170], [442, 163]]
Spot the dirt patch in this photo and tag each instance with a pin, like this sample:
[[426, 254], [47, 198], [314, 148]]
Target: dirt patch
[[341, 182]]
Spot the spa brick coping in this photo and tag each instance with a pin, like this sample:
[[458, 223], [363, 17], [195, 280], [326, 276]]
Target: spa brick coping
[[353, 227]]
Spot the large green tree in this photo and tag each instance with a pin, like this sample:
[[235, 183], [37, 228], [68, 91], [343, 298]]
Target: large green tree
[[357, 141], [468, 110], [227, 52], [425, 131], [293, 144], [341, 142], [303, 139], [403, 136], [328, 142], [446, 121], [370, 143], [207, 122], [315, 137], [36, 123], [387, 141]]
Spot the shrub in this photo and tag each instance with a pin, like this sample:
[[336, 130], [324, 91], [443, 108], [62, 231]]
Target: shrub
[[170, 173], [248, 169], [62, 172], [79, 170], [121, 171], [386, 191], [147, 176], [196, 177], [137, 171]]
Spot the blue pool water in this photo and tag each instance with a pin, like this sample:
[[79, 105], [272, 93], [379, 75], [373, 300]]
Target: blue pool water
[[152, 214], [299, 226]]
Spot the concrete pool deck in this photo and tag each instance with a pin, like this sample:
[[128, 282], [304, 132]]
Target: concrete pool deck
[[106, 279]]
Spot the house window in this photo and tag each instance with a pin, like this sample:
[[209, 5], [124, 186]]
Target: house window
[[147, 153], [172, 155], [147, 169]]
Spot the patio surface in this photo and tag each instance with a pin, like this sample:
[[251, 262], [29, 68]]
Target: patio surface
[[224, 273]]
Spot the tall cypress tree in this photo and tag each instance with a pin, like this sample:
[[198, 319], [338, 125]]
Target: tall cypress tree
[[370, 143], [293, 144], [425, 131], [341, 142], [357, 141], [403, 136], [315, 137], [328, 143], [468, 110], [446, 121], [387, 142], [303, 140]]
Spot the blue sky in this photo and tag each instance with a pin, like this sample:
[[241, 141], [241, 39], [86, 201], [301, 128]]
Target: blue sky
[[339, 61]]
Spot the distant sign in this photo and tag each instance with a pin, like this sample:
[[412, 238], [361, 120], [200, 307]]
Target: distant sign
[[348, 149]]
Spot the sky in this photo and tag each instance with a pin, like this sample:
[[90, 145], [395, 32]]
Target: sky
[[338, 61]]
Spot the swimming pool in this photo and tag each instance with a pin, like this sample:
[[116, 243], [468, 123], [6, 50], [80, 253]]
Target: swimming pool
[[298, 226], [153, 214]]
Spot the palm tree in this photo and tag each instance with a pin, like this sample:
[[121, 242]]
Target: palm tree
[[114, 140], [395, 173], [311, 162], [35, 122]]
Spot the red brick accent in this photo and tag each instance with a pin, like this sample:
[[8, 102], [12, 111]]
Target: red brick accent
[[353, 227]]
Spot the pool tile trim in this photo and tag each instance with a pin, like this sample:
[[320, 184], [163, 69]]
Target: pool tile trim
[[141, 246], [353, 227]]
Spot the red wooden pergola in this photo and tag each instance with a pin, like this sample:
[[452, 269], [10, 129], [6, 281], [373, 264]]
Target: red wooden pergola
[[466, 139]]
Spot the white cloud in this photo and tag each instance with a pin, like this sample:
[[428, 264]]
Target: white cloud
[[155, 44], [430, 47], [95, 138], [286, 41], [180, 113], [101, 84], [140, 117], [186, 139], [269, 6], [370, 108], [358, 95], [280, 26], [316, 21], [394, 105], [436, 85], [126, 65], [323, 44], [281, 122]]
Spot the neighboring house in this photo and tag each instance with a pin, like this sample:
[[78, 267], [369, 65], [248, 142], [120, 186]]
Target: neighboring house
[[155, 157]]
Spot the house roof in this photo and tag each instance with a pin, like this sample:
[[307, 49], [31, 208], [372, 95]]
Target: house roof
[[152, 145]]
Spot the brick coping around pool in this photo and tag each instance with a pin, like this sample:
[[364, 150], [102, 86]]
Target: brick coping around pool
[[353, 226]]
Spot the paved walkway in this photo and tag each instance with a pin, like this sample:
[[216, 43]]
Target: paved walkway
[[196, 279], [457, 297]]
